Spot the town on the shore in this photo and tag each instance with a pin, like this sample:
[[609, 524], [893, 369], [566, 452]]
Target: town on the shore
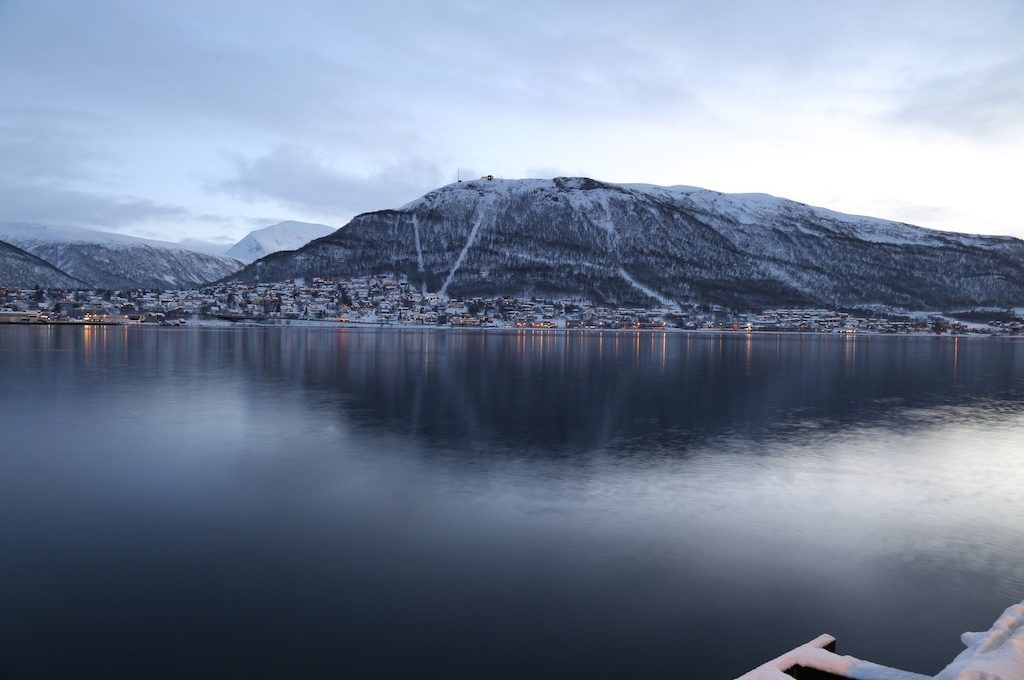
[[386, 300]]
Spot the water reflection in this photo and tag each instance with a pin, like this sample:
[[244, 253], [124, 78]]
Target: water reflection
[[522, 503], [580, 391]]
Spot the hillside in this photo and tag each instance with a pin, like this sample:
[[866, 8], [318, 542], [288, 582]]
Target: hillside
[[109, 260], [644, 244], [19, 269]]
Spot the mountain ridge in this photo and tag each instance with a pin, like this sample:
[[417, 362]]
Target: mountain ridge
[[102, 259], [642, 243]]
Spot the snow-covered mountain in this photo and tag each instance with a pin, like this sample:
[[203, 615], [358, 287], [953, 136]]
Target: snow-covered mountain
[[19, 269], [107, 260], [275, 238], [644, 244]]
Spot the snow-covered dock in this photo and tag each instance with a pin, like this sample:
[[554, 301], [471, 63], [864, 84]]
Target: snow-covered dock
[[996, 654]]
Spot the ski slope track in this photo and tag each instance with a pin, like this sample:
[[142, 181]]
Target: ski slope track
[[470, 241]]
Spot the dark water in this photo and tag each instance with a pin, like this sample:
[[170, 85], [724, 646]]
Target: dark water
[[313, 503]]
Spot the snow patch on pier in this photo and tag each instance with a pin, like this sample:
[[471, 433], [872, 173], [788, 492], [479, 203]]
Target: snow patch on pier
[[995, 654], [814, 655]]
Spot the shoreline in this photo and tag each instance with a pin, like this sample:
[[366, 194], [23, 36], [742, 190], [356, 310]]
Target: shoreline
[[309, 324]]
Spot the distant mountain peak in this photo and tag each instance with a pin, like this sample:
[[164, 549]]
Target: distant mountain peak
[[287, 235]]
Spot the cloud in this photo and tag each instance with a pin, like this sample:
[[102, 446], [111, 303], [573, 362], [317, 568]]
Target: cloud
[[113, 101], [212, 246], [301, 179], [207, 68], [986, 102], [52, 172], [58, 205], [41, 144], [932, 216], [44, 152], [545, 172]]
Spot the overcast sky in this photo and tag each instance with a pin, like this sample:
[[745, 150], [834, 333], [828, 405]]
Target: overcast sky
[[204, 119]]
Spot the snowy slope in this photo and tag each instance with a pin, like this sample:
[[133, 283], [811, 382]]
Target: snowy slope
[[644, 244], [19, 269], [275, 238], [107, 260]]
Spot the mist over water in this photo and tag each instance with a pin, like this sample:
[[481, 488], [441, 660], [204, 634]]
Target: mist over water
[[305, 502]]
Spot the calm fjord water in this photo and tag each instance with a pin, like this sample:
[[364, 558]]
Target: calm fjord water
[[339, 503]]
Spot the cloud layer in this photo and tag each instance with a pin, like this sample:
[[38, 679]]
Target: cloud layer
[[303, 180], [196, 118]]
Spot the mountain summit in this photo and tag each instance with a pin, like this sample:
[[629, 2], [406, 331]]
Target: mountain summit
[[644, 244], [275, 238]]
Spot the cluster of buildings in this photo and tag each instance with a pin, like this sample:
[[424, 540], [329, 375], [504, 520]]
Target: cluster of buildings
[[389, 300], [830, 321], [374, 300]]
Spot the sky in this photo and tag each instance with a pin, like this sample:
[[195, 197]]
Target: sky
[[203, 120]]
